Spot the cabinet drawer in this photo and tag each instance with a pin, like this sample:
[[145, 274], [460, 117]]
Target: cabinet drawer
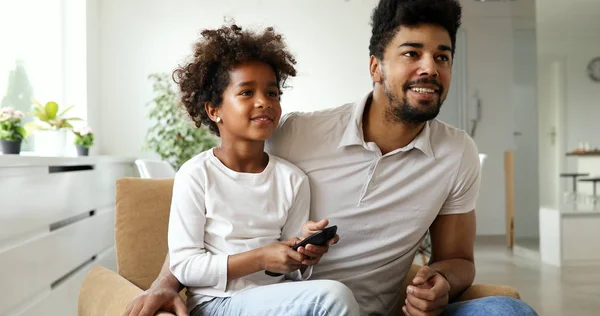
[[34, 265]]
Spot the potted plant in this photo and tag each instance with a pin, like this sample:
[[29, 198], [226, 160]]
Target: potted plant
[[11, 130], [50, 135], [84, 140], [172, 135]]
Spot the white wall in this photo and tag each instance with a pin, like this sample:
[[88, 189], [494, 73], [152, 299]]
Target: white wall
[[489, 41], [93, 73], [524, 100], [583, 95], [139, 37]]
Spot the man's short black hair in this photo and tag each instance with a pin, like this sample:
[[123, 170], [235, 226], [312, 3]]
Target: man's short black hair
[[389, 15]]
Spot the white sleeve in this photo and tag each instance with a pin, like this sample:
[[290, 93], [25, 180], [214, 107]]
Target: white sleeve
[[280, 144], [297, 216], [465, 190], [190, 263], [299, 212]]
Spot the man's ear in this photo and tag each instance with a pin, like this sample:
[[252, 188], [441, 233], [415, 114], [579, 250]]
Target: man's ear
[[375, 69], [213, 112]]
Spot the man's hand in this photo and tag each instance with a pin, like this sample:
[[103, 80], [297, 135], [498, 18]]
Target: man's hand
[[155, 299], [428, 294], [315, 252]]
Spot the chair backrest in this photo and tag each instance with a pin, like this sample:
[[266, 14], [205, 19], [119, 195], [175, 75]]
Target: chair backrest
[[482, 159], [141, 223], [154, 169]]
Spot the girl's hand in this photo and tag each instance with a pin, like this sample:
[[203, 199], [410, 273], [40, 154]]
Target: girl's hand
[[313, 252], [279, 257]]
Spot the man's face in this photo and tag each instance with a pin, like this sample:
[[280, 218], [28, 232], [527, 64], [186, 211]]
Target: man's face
[[415, 72]]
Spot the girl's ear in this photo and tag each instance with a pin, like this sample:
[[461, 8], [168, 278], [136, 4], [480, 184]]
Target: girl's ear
[[213, 112]]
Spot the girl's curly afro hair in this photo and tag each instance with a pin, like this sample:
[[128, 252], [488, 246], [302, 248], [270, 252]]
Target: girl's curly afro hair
[[206, 76]]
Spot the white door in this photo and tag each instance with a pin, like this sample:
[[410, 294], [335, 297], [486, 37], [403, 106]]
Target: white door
[[551, 95]]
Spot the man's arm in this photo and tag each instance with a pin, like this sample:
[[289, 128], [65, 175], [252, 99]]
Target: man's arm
[[451, 269], [162, 295], [452, 247], [166, 279]]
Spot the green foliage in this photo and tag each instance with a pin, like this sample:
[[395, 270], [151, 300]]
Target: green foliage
[[11, 124], [19, 91], [86, 141], [172, 135], [18, 94], [50, 117], [84, 136]]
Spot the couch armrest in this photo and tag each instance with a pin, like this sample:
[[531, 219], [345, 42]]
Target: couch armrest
[[106, 293], [485, 290]]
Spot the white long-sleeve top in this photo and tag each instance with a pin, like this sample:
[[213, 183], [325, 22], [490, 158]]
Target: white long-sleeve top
[[217, 212]]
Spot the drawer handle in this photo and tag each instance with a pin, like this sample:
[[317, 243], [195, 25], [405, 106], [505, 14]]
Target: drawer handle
[[57, 169]]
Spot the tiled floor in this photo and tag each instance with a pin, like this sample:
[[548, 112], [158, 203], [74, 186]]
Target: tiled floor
[[572, 291]]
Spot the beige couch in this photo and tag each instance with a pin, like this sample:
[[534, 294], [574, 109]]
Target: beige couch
[[142, 215]]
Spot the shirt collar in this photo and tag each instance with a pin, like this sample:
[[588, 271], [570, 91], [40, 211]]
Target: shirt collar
[[353, 134]]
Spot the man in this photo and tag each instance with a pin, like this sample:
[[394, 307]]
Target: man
[[385, 172]]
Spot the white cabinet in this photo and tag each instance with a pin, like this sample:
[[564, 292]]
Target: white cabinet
[[56, 222], [569, 235]]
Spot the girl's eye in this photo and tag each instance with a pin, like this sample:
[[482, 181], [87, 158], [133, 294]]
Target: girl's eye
[[273, 94], [410, 54], [246, 93]]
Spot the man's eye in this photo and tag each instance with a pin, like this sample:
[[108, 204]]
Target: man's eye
[[443, 58]]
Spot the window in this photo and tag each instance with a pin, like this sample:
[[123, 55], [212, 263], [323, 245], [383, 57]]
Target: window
[[43, 54], [31, 59]]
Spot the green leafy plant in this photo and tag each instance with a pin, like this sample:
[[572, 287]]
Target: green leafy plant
[[50, 117], [19, 91], [172, 135], [11, 125], [84, 136]]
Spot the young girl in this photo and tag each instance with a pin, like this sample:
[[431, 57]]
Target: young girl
[[237, 210]]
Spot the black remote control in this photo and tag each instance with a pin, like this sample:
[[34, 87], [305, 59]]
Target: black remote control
[[319, 238]]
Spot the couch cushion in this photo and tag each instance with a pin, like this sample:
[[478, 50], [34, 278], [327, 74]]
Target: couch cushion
[[141, 223]]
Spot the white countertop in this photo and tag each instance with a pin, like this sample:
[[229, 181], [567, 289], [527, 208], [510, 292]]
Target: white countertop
[[27, 160], [575, 209]]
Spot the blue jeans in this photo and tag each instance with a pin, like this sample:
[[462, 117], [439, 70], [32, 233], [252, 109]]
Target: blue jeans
[[490, 306], [303, 298]]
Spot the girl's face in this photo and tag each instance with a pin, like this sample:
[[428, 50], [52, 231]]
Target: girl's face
[[250, 110]]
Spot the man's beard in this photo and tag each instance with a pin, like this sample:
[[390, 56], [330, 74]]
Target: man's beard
[[404, 112]]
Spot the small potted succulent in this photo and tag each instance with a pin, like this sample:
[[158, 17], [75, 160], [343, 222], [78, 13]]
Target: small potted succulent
[[84, 139], [12, 131]]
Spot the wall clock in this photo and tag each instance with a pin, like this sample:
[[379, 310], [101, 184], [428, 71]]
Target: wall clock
[[594, 69]]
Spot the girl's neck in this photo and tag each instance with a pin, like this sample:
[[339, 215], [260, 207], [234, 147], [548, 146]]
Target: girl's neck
[[246, 157]]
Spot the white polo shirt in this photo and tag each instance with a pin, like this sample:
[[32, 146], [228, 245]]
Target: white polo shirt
[[383, 204]]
